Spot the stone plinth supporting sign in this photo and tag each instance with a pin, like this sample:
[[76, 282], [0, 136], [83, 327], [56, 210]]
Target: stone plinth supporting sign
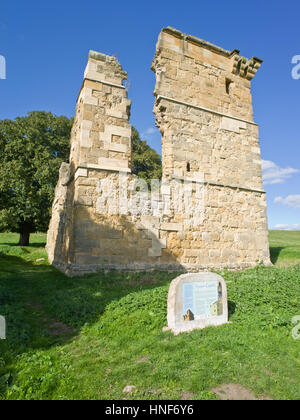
[[196, 301]]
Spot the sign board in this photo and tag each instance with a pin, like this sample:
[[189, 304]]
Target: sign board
[[2, 328], [197, 301]]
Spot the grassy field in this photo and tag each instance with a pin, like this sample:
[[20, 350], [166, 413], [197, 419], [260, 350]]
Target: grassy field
[[285, 247], [89, 337]]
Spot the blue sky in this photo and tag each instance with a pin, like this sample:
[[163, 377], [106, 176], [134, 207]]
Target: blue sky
[[46, 45]]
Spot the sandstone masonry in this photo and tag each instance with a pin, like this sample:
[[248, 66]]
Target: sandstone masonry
[[102, 215]]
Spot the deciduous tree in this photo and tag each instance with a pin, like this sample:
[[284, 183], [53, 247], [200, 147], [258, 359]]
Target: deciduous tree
[[146, 161], [32, 149]]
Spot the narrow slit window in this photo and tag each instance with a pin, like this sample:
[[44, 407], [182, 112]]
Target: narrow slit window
[[188, 167], [228, 83]]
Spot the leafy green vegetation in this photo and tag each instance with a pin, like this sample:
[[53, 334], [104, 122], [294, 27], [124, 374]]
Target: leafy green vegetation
[[32, 149], [88, 337], [146, 161]]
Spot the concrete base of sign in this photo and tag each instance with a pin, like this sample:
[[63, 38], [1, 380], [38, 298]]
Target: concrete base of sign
[[196, 301]]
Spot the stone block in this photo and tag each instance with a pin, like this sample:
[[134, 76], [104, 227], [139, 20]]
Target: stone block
[[154, 252], [150, 221], [175, 227], [84, 201], [122, 148], [83, 172]]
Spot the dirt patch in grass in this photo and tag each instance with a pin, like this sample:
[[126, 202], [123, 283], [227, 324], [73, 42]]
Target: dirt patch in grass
[[35, 306], [59, 328], [268, 372], [235, 392], [187, 396], [54, 327], [142, 360]]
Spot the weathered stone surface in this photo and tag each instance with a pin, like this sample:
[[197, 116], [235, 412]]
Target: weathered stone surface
[[103, 216]]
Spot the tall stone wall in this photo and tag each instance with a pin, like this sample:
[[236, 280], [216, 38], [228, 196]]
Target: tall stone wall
[[204, 111], [210, 209]]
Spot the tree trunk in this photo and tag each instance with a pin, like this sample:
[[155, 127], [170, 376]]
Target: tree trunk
[[24, 235]]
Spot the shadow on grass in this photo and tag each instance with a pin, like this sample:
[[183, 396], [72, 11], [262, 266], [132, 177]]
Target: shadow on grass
[[274, 253], [43, 307], [41, 244], [231, 308]]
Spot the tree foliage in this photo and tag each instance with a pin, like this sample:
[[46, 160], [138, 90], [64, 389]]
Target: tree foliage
[[146, 161], [32, 149]]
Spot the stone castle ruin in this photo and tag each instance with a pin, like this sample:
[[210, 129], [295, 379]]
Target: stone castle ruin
[[208, 211]]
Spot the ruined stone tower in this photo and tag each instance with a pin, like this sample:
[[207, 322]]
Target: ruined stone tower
[[210, 209]]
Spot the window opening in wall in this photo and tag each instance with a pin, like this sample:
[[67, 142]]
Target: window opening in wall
[[228, 83]]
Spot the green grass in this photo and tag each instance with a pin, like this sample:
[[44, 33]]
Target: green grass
[[89, 337], [285, 247]]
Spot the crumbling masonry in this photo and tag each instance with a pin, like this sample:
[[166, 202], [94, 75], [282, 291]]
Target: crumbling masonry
[[210, 210]]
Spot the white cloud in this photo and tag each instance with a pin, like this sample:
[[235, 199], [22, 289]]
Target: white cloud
[[287, 227], [290, 200], [149, 131], [273, 174]]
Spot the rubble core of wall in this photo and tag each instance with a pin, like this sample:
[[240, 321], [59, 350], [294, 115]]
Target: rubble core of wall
[[102, 219]]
